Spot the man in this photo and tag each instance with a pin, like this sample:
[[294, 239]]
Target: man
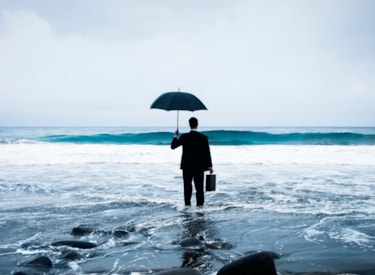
[[196, 158]]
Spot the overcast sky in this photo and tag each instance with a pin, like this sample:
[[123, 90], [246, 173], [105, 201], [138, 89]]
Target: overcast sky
[[252, 63]]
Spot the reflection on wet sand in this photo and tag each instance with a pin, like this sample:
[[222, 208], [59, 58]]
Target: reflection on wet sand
[[196, 255], [197, 233]]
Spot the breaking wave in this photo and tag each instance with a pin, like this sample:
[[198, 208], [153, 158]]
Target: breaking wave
[[223, 137]]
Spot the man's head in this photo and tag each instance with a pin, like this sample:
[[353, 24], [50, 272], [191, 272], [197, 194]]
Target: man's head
[[193, 122]]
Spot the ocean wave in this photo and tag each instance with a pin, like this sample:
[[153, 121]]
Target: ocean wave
[[153, 138], [223, 137], [17, 141]]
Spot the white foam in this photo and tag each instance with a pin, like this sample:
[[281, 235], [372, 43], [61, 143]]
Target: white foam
[[56, 153], [350, 235]]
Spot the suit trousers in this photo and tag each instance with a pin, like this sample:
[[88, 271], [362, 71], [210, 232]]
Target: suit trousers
[[198, 177]]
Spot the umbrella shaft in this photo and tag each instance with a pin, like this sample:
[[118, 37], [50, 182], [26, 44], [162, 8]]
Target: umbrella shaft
[[178, 112]]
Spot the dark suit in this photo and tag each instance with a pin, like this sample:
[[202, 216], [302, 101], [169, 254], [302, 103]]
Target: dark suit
[[196, 158]]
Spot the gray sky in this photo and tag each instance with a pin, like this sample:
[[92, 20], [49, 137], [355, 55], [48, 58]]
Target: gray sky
[[253, 63]]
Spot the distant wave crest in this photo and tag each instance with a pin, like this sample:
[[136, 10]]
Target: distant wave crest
[[259, 138], [223, 137], [154, 138]]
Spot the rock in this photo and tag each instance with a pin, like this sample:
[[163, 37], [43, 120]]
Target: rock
[[219, 245], [260, 263], [41, 261], [120, 233], [81, 230], [180, 271], [189, 242], [272, 254], [75, 243], [71, 255]]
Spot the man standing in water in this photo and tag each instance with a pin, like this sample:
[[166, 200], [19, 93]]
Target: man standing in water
[[196, 158]]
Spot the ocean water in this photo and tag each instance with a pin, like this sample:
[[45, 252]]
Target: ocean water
[[306, 194]]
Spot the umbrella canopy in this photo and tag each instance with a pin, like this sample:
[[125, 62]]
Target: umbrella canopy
[[178, 101]]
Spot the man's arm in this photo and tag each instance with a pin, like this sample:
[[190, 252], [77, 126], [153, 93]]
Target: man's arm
[[208, 156], [175, 141]]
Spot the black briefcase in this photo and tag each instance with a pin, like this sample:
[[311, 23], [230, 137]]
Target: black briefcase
[[210, 182]]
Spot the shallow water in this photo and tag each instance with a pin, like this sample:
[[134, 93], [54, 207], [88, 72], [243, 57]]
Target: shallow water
[[312, 205]]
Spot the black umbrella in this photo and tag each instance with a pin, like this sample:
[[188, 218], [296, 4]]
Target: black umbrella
[[178, 101]]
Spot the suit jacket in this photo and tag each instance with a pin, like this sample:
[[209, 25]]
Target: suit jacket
[[195, 151]]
